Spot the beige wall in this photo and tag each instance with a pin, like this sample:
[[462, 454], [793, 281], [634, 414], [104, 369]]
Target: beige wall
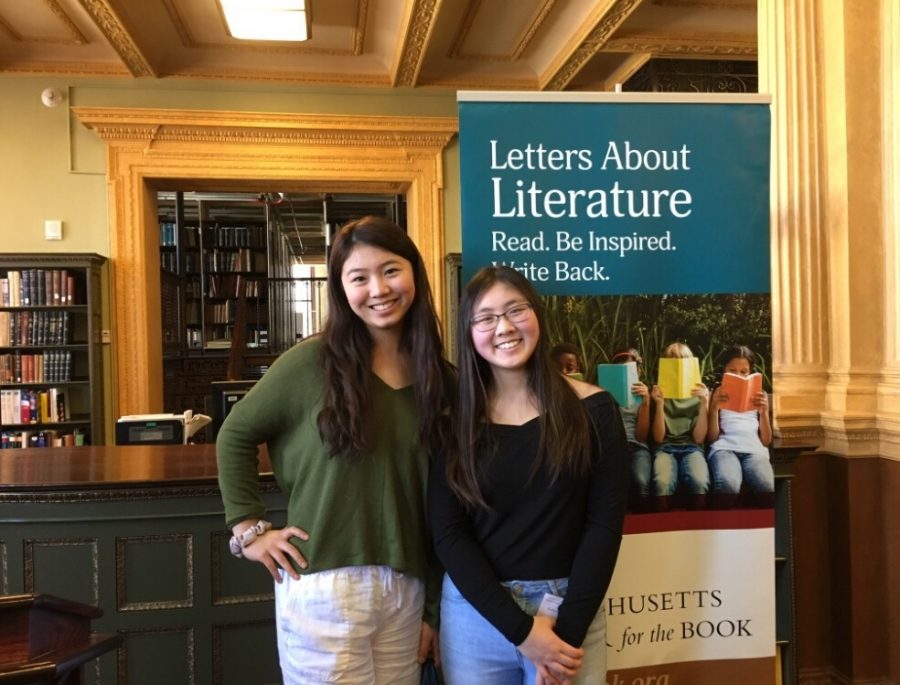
[[53, 168]]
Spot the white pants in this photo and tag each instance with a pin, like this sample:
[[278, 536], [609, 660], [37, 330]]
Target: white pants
[[359, 625]]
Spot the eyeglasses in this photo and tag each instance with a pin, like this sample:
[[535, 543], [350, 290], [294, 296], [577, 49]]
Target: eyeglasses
[[515, 314]]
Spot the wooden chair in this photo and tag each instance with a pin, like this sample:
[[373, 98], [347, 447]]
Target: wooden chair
[[45, 639]]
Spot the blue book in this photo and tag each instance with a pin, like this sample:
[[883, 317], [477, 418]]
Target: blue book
[[618, 379]]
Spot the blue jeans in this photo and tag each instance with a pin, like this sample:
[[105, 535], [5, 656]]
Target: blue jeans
[[473, 651], [640, 470], [683, 465], [730, 469]]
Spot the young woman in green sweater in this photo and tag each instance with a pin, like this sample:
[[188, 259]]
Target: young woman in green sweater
[[350, 419]]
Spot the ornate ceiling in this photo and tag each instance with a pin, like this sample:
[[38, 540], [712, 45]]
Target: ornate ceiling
[[446, 44]]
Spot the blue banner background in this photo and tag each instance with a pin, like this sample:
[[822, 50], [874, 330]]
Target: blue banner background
[[721, 151]]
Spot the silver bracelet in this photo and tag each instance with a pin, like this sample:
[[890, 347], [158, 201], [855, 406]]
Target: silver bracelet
[[239, 542]]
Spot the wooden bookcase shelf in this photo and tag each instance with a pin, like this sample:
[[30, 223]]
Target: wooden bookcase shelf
[[51, 365], [219, 260]]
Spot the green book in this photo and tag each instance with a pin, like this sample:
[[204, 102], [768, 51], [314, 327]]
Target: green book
[[618, 380], [677, 377]]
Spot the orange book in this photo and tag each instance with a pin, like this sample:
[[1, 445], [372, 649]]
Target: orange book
[[741, 391]]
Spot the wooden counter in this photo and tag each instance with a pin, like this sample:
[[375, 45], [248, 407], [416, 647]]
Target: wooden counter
[[139, 532], [74, 468]]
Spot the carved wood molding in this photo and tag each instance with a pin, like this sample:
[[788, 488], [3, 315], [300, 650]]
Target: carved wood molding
[[151, 149], [119, 37], [71, 27], [722, 45], [415, 41]]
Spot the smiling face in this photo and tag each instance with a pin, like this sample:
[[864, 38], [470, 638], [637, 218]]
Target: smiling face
[[380, 287], [739, 366], [509, 345]]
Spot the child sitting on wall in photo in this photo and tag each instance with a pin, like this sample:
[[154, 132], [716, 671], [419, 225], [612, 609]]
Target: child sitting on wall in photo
[[567, 358], [679, 430], [739, 435], [637, 430]]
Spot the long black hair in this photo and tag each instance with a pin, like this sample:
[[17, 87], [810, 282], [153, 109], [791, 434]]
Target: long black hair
[[565, 442], [345, 421]]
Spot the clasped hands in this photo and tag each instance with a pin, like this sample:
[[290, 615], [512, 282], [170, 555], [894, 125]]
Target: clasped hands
[[555, 659]]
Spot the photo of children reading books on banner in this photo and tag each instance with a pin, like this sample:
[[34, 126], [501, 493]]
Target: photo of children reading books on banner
[[697, 412]]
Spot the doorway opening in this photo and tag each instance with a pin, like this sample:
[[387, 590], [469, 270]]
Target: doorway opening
[[243, 278]]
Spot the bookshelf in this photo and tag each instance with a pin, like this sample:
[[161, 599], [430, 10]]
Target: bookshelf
[[208, 265], [245, 259], [51, 365], [218, 257]]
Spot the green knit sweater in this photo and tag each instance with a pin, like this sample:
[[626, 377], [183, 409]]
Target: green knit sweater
[[367, 511]]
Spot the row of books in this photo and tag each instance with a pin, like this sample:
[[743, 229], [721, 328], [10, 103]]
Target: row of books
[[38, 288], [215, 236], [677, 378], [226, 313], [34, 328], [42, 438], [168, 261], [215, 261], [19, 406], [221, 312], [49, 366], [256, 337], [232, 286], [168, 236]]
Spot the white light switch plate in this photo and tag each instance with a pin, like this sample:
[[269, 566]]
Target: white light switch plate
[[53, 229]]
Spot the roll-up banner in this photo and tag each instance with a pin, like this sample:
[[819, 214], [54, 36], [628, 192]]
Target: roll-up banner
[[647, 216]]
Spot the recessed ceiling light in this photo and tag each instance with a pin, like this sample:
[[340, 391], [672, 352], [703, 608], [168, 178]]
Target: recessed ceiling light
[[286, 20]]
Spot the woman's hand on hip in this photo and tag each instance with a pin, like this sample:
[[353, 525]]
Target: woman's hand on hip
[[273, 549]]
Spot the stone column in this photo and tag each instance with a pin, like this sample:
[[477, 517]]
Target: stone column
[[888, 420], [832, 70], [789, 66]]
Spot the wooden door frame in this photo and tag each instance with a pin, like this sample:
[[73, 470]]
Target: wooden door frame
[[162, 149]]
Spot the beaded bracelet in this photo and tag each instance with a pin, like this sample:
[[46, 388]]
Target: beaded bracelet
[[239, 542]]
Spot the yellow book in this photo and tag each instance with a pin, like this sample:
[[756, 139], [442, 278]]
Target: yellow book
[[677, 377], [45, 407]]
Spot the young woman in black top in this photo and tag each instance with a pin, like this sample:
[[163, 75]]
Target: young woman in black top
[[529, 502]]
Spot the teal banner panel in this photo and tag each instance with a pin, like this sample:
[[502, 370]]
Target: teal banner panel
[[607, 194]]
